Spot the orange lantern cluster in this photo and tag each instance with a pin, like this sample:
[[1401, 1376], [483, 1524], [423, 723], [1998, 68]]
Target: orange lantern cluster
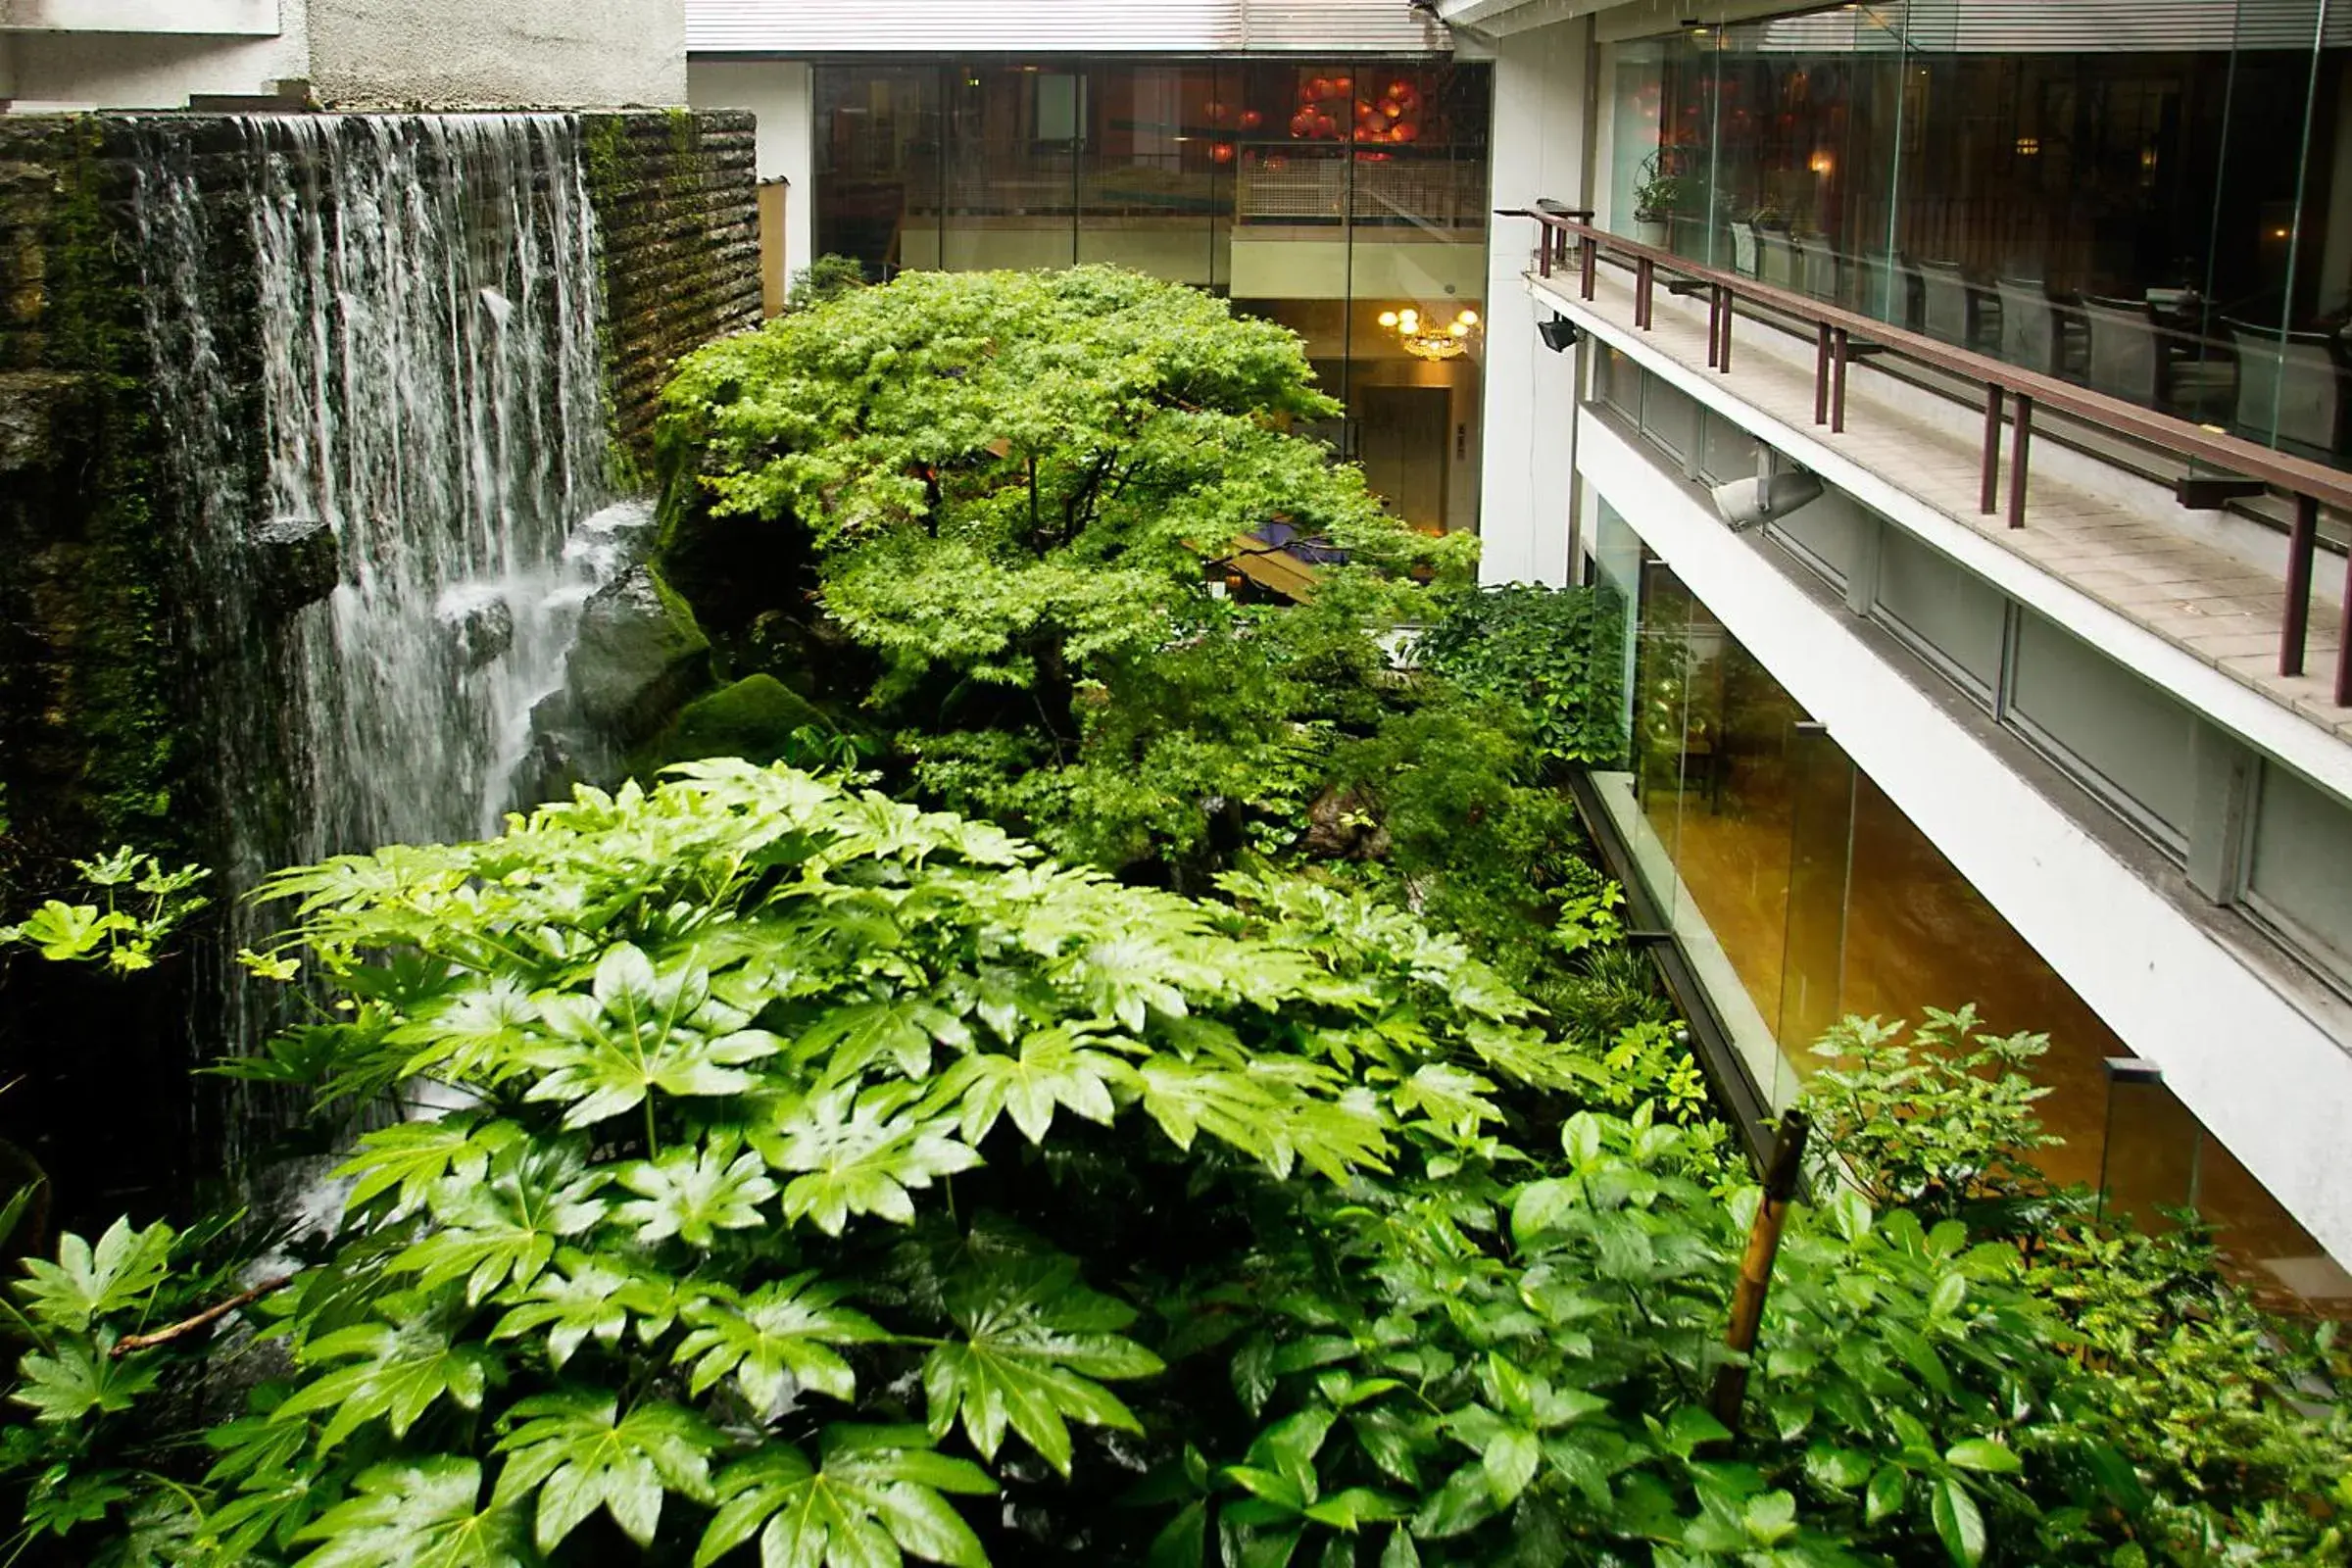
[[1335, 108]]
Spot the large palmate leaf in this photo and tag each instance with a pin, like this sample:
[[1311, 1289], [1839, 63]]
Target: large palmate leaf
[[776, 1336], [80, 1381], [862, 1153], [415, 1155], [578, 1452], [876, 1500], [641, 1030], [585, 1297], [396, 1372], [692, 1194], [87, 1283], [505, 1226], [1031, 1341], [1053, 1068], [420, 1515], [482, 1032], [1279, 1113]]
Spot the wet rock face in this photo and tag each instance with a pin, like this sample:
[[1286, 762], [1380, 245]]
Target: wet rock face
[[295, 561], [482, 628], [638, 658], [34, 406]]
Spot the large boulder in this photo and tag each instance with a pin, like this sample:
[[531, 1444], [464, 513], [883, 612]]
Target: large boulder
[[638, 656], [753, 719]]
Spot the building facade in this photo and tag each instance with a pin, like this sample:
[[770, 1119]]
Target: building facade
[[2040, 713], [71, 55]]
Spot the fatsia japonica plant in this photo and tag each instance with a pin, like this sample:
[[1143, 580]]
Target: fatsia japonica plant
[[825, 1182]]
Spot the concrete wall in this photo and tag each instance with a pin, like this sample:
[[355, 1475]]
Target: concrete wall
[[1528, 455], [59, 71], [363, 54], [447, 54], [779, 94]]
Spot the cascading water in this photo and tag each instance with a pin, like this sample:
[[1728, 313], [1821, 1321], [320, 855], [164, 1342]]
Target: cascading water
[[414, 369]]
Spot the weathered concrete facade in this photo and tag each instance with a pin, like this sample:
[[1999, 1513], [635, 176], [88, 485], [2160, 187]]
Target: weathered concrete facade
[[347, 54]]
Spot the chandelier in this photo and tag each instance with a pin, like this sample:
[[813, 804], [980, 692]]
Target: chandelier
[[1424, 339]]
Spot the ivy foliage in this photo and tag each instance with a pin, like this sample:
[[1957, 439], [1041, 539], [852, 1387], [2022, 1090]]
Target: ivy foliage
[[839, 1183]]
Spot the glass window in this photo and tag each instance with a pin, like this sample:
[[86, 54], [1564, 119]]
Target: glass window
[[2154, 207], [1950, 614], [1346, 199], [2299, 868], [1669, 416], [2127, 741], [1827, 535]]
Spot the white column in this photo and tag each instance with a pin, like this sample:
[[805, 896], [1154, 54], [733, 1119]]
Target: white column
[[1527, 458], [780, 92]]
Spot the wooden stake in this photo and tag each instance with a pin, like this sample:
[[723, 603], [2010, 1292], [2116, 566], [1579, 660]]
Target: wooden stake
[[1755, 1264]]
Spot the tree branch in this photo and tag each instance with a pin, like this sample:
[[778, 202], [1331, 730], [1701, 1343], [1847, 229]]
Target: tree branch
[[204, 1319]]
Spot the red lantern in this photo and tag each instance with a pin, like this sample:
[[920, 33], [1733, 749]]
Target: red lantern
[[1400, 89], [1319, 88], [1302, 123], [1251, 119], [1344, 83], [1215, 112], [1371, 127], [1389, 107], [1220, 152], [1405, 130]]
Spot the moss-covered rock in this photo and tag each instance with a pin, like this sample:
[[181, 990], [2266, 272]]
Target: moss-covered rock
[[639, 656], [753, 719]]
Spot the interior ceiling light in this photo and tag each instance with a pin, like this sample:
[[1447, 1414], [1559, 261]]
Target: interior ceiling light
[[1424, 339]]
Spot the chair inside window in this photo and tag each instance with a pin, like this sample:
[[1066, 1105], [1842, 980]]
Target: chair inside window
[[1776, 258], [1950, 307], [2290, 387], [2128, 357], [2033, 337], [1744, 248], [1821, 271]]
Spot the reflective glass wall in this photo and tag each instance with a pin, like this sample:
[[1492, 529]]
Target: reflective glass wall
[[1801, 893], [1342, 198], [2155, 202]]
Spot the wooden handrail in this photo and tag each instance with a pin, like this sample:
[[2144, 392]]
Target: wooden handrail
[[2309, 484]]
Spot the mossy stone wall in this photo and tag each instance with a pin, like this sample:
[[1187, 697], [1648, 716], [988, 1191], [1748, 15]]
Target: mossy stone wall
[[677, 206]]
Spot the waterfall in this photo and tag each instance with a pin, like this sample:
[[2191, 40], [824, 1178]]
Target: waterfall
[[384, 330]]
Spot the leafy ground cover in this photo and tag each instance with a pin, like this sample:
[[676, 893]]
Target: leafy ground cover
[[1278, 1161]]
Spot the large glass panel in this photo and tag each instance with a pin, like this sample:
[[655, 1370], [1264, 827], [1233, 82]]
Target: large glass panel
[[878, 165], [1918, 934], [2157, 206], [1155, 168], [1012, 166]]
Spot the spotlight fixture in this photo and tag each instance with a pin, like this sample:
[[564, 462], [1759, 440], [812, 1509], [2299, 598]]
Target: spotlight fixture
[[1747, 504], [1559, 334]]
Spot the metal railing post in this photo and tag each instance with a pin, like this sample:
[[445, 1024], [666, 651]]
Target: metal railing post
[[2295, 616], [1821, 372], [1989, 480], [1714, 322], [1591, 249], [1731, 302], [1837, 383], [2020, 437], [1643, 272]]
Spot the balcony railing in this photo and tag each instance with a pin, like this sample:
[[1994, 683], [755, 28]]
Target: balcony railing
[[1567, 241]]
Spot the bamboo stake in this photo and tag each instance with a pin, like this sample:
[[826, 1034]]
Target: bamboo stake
[[204, 1319], [1755, 1266]]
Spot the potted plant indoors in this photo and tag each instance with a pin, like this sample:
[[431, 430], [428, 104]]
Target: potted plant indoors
[[1659, 192]]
